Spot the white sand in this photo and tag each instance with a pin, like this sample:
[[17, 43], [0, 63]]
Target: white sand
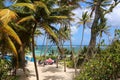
[[49, 72]]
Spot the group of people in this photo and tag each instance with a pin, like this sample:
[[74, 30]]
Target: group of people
[[46, 62]]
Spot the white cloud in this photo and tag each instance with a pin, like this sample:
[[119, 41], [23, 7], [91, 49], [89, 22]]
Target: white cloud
[[74, 30], [78, 14], [114, 17]]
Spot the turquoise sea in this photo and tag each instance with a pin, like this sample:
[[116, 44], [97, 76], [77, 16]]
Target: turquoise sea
[[41, 49]]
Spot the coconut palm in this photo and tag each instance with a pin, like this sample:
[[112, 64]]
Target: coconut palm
[[84, 20], [103, 30], [62, 39], [40, 17], [98, 6], [7, 33]]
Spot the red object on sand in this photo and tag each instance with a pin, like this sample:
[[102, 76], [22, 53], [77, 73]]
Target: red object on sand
[[49, 60]]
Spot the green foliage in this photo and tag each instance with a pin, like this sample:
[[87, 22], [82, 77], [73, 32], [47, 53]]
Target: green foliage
[[5, 67], [80, 60], [115, 47], [103, 66], [70, 64], [47, 57], [117, 33]]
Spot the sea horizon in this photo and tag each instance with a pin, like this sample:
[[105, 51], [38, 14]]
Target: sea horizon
[[41, 49]]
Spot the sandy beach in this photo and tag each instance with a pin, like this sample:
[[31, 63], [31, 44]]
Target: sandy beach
[[49, 72]]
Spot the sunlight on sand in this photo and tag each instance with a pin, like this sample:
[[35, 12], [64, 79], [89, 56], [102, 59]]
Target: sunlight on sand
[[49, 72]]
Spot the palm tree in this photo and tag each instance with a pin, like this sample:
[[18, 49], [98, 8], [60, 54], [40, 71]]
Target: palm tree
[[62, 38], [66, 6], [40, 17], [103, 30], [85, 19], [17, 48], [7, 32], [98, 6], [46, 48]]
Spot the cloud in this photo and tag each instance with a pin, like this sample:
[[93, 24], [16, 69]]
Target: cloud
[[113, 18], [78, 14], [74, 30]]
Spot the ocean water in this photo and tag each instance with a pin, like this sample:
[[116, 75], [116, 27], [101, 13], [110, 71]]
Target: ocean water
[[41, 49]]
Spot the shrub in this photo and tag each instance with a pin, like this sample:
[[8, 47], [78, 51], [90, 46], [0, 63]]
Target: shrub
[[70, 64], [5, 67], [104, 66]]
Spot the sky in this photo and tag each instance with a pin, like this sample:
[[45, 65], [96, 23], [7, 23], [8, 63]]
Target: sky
[[113, 20]]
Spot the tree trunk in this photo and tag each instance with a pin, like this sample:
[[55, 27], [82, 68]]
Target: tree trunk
[[92, 44], [57, 62], [82, 36], [73, 57], [64, 63], [33, 51], [60, 51], [94, 30], [42, 46], [22, 57], [63, 53], [46, 49]]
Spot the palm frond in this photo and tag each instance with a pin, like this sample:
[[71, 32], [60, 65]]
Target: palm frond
[[6, 15], [42, 5], [29, 5], [13, 49], [58, 17], [7, 29], [11, 46], [26, 19], [38, 32], [18, 27], [50, 32]]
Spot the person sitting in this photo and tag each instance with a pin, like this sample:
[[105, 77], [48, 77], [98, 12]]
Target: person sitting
[[40, 62]]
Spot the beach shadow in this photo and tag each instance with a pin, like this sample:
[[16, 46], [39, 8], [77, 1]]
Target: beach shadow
[[52, 69], [23, 76], [53, 78]]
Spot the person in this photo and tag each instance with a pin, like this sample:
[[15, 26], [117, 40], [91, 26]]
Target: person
[[40, 62]]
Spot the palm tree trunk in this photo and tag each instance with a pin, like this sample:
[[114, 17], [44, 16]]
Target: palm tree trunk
[[82, 36], [42, 45], [56, 61], [73, 57], [22, 56], [46, 49], [94, 30], [64, 63], [60, 51], [64, 55], [76, 60], [33, 51]]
